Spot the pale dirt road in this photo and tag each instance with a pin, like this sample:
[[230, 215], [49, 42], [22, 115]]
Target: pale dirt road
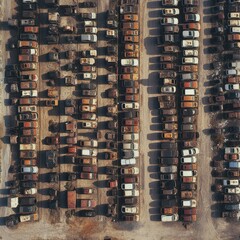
[[206, 228]]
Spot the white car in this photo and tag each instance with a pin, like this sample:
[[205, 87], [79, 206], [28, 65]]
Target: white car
[[130, 105], [230, 72], [170, 11], [190, 60], [191, 159], [232, 86], [129, 209], [190, 52], [190, 151], [30, 191], [168, 89], [131, 161], [169, 21], [129, 62], [189, 203], [190, 43], [129, 186], [230, 182], [232, 150], [130, 146], [235, 190], [169, 218], [190, 34]]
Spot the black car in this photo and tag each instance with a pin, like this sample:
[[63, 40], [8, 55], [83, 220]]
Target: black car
[[232, 95], [169, 203], [53, 29], [168, 145], [14, 191], [169, 161], [52, 3], [217, 30], [52, 192], [217, 39], [188, 186], [29, 6], [52, 39], [27, 201], [88, 4], [87, 213], [53, 177], [28, 36], [88, 86], [168, 185], [189, 112], [233, 7], [234, 136], [28, 184], [53, 75], [215, 108], [12, 221], [166, 153], [189, 135], [217, 9], [130, 114], [27, 209], [28, 14], [12, 73], [130, 200], [127, 83]]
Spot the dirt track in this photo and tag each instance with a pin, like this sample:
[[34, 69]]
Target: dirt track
[[208, 227]]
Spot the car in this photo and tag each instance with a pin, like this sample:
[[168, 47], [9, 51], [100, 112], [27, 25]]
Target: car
[[229, 87], [27, 116], [170, 218], [169, 21], [192, 17], [87, 213], [168, 176], [190, 34], [189, 112], [168, 89], [88, 86], [233, 95], [189, 135], [170, 11]]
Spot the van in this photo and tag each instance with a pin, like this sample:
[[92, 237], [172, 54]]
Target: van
[[189, 104]]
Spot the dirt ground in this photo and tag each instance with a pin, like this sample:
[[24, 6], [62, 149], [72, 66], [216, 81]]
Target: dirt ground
[[208, 225]]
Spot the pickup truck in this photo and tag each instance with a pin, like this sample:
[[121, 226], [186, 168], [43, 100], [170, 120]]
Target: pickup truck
[[88, 203], [30, 51], [88, 101], [29, 218], [88, 161], [89, 124], [88, 108], [84, 175], [30, 29], [189, 203], [131, 193], [27, 146], [88, 152], [27, 58], [130, 170], [29, 93], [28, 101], [87, 61], [28, 85], [32, 44]]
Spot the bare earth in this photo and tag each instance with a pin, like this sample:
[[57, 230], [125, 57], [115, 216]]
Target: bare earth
[[208, 226]]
